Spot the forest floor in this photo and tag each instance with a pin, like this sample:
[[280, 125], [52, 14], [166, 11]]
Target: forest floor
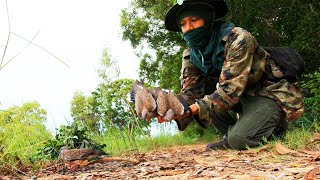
[[193, 162]]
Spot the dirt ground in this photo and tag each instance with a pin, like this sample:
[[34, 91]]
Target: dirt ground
[[193, 162]]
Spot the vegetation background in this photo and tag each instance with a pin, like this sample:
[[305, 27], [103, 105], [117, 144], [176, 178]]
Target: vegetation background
[[106, 119]]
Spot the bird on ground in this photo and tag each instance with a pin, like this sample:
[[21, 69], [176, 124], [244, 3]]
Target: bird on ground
[[67, 154]]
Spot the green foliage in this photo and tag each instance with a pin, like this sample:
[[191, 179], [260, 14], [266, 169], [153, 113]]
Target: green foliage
[[291, 23], [112, 105], [132, 140], [165, 66], [22, 131], [108, 69], [84, 113], [107, 107], [194, 131], [297, 138], [72, 136], [137, 26], [311, 86]]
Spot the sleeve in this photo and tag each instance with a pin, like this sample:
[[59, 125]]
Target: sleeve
[[191, 80], [239, 52]]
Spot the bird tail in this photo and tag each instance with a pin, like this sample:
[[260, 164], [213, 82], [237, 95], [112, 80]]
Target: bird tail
[[137, 85]]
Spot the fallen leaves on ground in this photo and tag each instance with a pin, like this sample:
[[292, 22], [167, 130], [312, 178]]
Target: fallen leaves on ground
[[193, 162]]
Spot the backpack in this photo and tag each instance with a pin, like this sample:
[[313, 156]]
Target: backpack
[[291, 63]]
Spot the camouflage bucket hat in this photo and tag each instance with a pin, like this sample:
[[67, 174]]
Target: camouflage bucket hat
[[219, 6]]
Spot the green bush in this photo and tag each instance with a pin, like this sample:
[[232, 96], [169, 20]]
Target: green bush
[[22, 132], [311, 87], [71, 136], [194, 131]]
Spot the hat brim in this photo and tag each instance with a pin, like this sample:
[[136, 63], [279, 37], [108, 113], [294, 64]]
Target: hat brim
[[221, 10]]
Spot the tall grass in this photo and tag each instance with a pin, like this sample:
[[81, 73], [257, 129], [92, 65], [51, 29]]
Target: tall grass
[[131, 141], [124, 141]]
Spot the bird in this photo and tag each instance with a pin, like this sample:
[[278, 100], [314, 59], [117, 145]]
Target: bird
[[168, 104], [145, 104], [67, 154], [152, 102], [175, 104], [162, 101]]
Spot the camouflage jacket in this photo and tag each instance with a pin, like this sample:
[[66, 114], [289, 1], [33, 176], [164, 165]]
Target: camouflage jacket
[[246, 71]]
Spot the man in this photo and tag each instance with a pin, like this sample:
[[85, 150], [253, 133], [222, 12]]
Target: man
[[224, 69]]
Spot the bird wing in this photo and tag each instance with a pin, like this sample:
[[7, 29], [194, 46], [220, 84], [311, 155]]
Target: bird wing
[[143, 99]]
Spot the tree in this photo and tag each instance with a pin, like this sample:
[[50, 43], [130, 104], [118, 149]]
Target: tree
[[84, 113], [113, 105], [107, 106], [108, 69], [291, 23], [143, 24]]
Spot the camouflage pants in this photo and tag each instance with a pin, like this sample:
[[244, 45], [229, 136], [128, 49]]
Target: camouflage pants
[[259, 117]]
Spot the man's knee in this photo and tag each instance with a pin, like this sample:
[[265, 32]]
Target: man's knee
[[237, 142]]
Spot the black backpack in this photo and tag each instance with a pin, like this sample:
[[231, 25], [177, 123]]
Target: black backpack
[[289, 60]]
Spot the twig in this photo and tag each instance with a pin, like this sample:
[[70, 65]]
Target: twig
[[29, 42], [133, 112], [8, 39], [42, 49], [20, 51], [111, 159], [13, 168]]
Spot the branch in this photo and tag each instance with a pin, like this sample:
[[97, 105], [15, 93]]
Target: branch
[[30, 42], [8, 39], [20, 51]]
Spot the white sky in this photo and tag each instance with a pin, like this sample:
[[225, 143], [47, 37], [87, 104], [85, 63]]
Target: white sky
[[76, 31]]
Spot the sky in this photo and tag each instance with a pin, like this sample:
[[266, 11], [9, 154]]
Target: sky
[[77, 32]]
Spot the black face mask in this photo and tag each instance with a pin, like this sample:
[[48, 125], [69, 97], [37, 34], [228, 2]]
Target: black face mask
[[198, 38]]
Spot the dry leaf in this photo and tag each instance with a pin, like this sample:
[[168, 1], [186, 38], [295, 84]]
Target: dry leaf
[[206, 163], [283, 150], [315, 158], [255, 150], [310, 152], [316, 136], [111, 159], [311, 175], [171, 173]]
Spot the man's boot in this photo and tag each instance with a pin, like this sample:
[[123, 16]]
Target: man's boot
[[222, 144]]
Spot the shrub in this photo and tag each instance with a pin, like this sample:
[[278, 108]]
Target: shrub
[[311, 87]]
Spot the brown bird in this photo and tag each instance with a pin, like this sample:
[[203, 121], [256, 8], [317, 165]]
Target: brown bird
[[175, 104], [168, 104], [145, 103], [67, 154]]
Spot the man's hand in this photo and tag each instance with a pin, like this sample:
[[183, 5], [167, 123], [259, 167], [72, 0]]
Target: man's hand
[[193, 109]]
